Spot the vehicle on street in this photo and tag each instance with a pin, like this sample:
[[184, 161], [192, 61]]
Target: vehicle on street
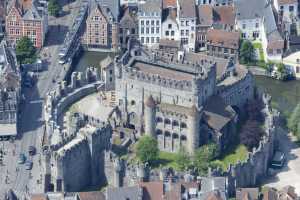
[[278, 160], [31, 150], [28, 165], [22, 158]]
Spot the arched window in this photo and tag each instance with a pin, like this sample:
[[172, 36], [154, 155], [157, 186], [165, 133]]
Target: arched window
[[175, 123], [167, 121], [158, 132], [159, 119], [183, 125], [183, 137], [175, 135], [167, 134]]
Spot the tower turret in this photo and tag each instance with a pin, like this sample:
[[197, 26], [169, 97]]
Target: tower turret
[[193, 129], [150, 113]]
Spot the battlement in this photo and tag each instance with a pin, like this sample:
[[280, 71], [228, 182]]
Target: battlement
[[256, 164], [64, 96]]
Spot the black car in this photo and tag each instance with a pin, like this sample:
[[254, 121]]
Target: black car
[[31, 150]]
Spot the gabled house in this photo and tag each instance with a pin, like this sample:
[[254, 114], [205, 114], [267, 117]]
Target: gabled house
[[101, 28], [27, 18], [186, 17], [256, 22]]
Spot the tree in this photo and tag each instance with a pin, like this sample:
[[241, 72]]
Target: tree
[[251, 134], [53, 7], [246, 52], [146, 149], [25, 51], [203, 157], [182, 160], [294, 121], [254, 108]]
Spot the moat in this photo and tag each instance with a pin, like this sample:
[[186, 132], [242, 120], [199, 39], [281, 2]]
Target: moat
[[285, 95]]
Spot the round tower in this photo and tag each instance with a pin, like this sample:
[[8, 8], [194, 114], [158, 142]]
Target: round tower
[[150, 113], [193, 129]]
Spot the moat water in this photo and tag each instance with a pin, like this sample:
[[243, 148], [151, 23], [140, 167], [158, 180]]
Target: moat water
[[285, 95]]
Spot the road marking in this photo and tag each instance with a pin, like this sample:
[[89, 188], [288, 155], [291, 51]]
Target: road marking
[[37, 101]]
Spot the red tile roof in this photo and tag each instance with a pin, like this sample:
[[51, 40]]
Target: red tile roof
[[152, 190], [223, 38]]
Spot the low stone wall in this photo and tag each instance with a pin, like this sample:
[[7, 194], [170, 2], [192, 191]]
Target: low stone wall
[[250, 172]]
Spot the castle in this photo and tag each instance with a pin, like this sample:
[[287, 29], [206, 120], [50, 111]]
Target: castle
[[184, 100], [181, 99]]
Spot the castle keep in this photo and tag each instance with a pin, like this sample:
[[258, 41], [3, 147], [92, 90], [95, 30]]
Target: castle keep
[[182, 99]]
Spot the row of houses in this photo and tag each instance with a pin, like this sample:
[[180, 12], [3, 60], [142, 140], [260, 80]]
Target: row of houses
[[212, 26]]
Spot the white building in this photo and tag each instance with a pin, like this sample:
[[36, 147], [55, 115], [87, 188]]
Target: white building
[[149, 19], [293, 63], [186, 18], [256, 22], [170, 27], [288, 9]]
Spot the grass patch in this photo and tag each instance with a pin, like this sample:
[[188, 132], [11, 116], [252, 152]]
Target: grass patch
[[239, 153], [166, 159], [260, 51]]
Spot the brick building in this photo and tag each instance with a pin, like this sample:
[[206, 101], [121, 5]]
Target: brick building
[[101, 28], [27, 18]]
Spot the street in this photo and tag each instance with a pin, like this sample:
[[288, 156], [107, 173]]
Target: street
[[31, 119], [290, 173]]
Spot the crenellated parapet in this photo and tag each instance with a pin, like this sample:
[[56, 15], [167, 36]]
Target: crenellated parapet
[[249, 172], [63, 96]]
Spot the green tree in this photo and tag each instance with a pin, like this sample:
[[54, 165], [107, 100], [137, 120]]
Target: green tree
[[204, 156], [294, 121], [53, 7], [25, 51], [146, 149], [246, 52], [182, 160]]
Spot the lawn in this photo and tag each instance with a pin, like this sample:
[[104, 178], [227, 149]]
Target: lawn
[[240, 153], [166, 159], [258, 46]]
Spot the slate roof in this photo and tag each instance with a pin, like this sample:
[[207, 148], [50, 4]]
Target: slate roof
[[187, 9], [205, 15], [112, 5], [125, 193], [151, 7], [217, 114]]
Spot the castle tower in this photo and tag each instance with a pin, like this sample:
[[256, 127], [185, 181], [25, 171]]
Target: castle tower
[[150, 113], [193, 129]]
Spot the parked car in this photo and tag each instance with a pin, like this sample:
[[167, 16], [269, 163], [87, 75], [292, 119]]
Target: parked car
[[28, 165], [31, 150], [278, 160], [22, 158]]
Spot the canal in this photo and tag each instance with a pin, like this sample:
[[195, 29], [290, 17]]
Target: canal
[[285, 95]]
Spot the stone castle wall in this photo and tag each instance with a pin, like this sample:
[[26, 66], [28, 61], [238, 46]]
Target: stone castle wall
[[250, 172], [75, 157]]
